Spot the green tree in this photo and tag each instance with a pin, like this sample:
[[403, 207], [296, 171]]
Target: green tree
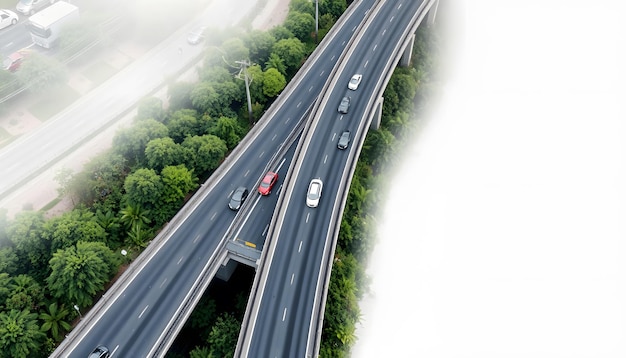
[[20, 336], [24, 293], [204, 97], [131, 142], [301, 24], [273, 82], [63, 177], [205, 152], [332, 7], [110, 223], [5, 281], [302, 6], [292, 52], [235, 50], [280, 32], [276, 62], [256, 84], [201, 352], [54, 321], [81, 271], [215, 74], [178, 182], [178, 95], [162, 152], [150, 108], [39, 72], [8, 260], [184, 123], [260, 44], [99, 184], [73, 226], [9, 82], [33, 252], [144, 187], [134, 215], [223, 337], [229, 130]]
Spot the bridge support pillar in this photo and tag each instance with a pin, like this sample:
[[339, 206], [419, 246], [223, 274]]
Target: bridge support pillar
[[378, 114], [405, 60], [432, 13], [227, 270]]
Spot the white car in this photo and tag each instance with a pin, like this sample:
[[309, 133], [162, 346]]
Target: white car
[[7, 18], [314, 193], [354, 82]]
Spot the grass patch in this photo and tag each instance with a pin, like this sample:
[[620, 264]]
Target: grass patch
[[99, 72], [54, 101], [51, 204]]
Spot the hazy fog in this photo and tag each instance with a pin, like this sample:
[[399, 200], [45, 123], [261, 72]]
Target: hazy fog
[[504, 233]]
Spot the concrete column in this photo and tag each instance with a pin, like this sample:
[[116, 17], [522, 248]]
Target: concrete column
[[432, 13], [405, 60], [378, 114], [227, 270]]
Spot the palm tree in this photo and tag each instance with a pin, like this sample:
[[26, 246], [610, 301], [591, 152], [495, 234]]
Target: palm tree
[[54, 321], [20, 336], [134, 215]]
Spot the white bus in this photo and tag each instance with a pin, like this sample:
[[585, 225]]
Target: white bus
[[45, 25]]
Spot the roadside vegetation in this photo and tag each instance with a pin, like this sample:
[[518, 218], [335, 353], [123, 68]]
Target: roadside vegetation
[[52, 270]]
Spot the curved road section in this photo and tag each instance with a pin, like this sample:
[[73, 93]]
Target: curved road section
[[286, 306], [141, 314]]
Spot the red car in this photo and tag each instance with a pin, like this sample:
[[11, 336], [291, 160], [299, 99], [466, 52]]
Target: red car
[[13, 61], [265, 188]]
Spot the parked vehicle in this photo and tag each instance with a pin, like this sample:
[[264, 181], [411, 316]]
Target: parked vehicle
[[13, 61], [7, 18], [46, 25], [29, 7]]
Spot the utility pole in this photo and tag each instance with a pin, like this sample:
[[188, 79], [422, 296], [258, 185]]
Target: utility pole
[[244, 68], [316, 20]]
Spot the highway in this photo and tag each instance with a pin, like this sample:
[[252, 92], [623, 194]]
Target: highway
[[32, 152], [132, 321], [284, 321]]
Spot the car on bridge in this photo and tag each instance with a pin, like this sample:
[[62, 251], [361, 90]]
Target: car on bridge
[[265, 188], [344, 105], [100, 352], [344, 140], [354, 82], [314, 193], [239, 196]]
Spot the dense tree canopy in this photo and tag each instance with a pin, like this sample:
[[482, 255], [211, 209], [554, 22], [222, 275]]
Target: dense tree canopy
[[81, 271], [20, 336]]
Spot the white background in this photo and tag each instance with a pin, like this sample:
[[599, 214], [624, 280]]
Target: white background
[[504, 232]]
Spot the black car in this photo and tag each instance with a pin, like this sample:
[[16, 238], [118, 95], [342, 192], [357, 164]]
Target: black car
[[100, 352], [239, 196], [344, 140], [344, 105]]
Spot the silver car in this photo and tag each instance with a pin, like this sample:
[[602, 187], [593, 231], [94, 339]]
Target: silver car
[[344, 105], [344, 140], [314, 193]]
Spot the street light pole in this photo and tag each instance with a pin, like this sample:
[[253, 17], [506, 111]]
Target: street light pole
[[78, 310], [244, 68], [316, 20]]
